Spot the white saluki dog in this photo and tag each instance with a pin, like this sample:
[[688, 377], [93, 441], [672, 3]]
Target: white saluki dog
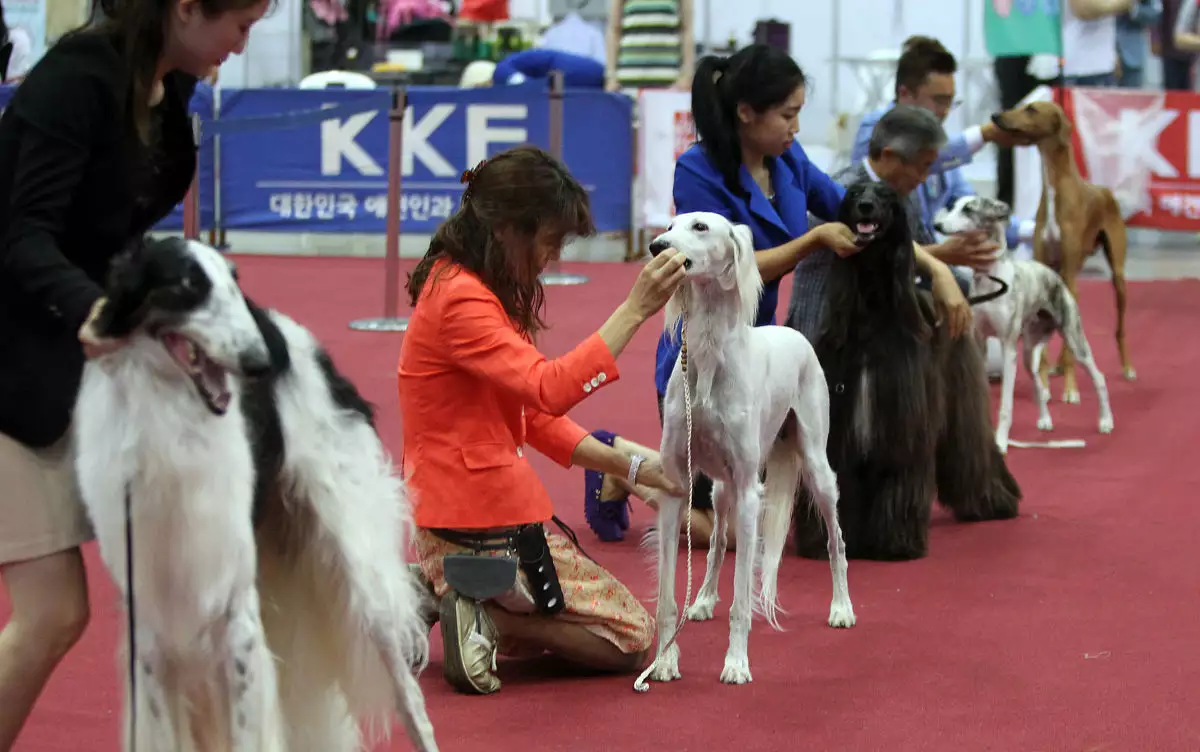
[[1037, 305], [757, 399], [222, 454]]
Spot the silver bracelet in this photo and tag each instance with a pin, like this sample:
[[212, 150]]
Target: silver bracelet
[[635, 463]]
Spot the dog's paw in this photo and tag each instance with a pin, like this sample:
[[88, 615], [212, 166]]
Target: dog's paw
[[1045, 424], [1106, 424], [841, 615], [736, 671], [1071, 396], [701, 609], [666, 668], [1130, 374]]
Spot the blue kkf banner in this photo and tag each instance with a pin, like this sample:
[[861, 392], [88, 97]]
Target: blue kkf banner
[[287, 168]]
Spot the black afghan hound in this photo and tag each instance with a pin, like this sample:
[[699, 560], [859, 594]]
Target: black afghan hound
[[909, 408]]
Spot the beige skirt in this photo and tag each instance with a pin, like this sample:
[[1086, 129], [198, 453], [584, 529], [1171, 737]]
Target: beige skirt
[[40, 509], [594, 597]]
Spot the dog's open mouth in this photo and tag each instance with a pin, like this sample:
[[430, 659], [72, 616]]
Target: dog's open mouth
[[211, 379], [865, 232]]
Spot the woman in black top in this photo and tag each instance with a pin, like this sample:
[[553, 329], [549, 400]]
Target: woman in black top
[[95, 148]]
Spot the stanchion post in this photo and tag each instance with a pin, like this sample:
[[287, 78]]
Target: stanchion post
[[553, 276], [191, 202], [390, 322]]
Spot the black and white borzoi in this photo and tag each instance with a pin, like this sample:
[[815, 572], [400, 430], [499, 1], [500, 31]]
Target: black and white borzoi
[[909, 413], [272, 607], [1038, 304], [758, 400]]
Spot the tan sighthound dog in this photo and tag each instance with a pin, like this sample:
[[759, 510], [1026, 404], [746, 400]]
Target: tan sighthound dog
[[1073, 219]]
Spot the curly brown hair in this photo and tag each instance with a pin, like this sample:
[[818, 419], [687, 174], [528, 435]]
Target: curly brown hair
[[521, 194]]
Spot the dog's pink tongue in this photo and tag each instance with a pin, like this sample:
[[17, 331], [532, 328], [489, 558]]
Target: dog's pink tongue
[[179, 348], [866, 227]]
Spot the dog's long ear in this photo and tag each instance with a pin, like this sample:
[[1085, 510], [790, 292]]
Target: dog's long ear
[[749, 281], [126, 296], [994, 210], [1063, 127]]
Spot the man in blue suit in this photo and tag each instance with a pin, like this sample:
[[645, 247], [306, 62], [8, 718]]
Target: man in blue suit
[[925, 78]]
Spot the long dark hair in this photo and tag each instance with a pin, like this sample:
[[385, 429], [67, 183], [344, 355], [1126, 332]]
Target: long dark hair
[[761, 76], [140, 28], [521, 190]]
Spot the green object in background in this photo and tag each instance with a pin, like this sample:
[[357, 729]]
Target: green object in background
[[1022, 27]]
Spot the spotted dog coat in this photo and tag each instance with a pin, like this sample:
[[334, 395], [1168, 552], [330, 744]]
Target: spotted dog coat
[[1037, 305]]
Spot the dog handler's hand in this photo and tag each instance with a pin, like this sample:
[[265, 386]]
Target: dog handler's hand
[[971, 249], [94, 345], [950, 300], [651, 474], [657, 282], [838, 237]]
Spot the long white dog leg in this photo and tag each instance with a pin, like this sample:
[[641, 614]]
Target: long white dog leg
[[1083, 355], [1008, 351], [824, 488], [155, 729], [1034, 352], [706, 600], [255, 721], [737, 659], [666, 662]]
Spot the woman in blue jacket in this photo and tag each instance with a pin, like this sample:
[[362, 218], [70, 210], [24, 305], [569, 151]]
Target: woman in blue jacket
[[748, 167]]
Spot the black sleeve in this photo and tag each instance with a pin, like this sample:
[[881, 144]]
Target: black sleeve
[[66, 106]]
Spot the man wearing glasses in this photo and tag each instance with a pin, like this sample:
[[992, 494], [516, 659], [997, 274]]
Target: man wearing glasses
[[925, 78]]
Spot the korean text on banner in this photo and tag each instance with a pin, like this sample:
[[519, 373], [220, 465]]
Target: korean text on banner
[[330, 176], [667, 131], [1145, 147], [1022, 27]]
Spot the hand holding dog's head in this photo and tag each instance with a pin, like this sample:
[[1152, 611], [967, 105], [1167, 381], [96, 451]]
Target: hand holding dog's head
[[717, 251], [970, 214], [185, 294], [1034, 123]]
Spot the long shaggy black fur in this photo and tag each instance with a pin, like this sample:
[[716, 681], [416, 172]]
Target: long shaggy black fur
[[925, 426]]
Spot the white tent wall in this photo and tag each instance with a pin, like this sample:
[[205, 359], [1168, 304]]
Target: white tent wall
[[274, 55]]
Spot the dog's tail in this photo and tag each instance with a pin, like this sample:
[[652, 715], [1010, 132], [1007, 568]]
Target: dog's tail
[[779, 499]]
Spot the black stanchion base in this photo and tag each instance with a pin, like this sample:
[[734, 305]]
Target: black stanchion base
[[390, 324]]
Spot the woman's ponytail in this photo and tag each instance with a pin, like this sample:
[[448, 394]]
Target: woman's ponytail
[[714, 111]]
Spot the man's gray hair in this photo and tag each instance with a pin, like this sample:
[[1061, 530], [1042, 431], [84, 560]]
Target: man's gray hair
[[907, 130]]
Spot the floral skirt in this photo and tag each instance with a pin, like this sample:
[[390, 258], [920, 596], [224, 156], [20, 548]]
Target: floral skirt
[[594, 597]]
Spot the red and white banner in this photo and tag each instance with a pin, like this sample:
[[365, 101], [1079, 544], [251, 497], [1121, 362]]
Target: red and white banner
[[665, 132], [1145, 147]]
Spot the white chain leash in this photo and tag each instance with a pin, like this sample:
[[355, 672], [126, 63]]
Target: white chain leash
[[641, 685]]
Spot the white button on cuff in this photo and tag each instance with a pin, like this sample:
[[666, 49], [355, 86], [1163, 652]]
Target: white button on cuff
[[587, 387], [603, 377], [596, 381]]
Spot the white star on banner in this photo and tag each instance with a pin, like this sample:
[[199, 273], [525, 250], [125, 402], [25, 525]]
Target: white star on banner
[[1119, 132]]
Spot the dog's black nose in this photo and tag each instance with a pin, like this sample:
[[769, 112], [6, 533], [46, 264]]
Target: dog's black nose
[[255, 363], [866, 207], [658, 247]]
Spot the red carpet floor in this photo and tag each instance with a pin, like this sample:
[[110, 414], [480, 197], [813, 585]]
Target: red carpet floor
[[1071, 628]]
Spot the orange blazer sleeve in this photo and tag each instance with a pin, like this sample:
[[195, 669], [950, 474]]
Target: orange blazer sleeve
[[555, 437], [481, 339]]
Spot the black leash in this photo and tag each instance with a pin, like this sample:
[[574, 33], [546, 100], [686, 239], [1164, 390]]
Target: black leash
[[989, 295], [131, 620]]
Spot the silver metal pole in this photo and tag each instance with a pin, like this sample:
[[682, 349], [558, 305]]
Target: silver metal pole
[[553, 275], [390, 322]]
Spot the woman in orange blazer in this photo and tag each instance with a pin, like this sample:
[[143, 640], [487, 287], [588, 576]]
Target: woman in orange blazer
[[475, 393]]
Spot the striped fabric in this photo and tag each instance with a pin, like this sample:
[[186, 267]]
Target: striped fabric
[[651, 50]]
